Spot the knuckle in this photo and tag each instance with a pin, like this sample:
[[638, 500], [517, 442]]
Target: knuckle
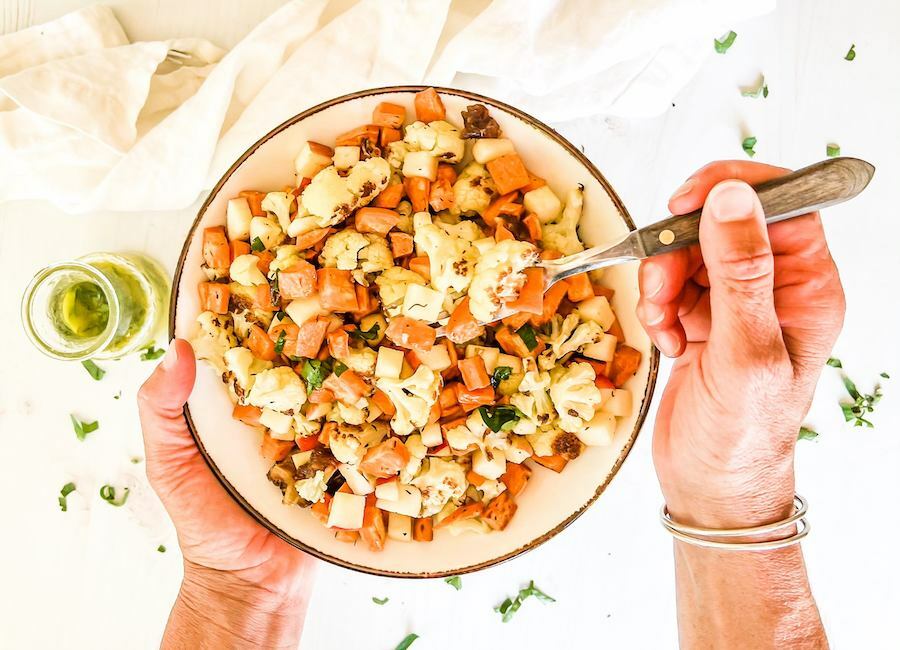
[[754, 267]]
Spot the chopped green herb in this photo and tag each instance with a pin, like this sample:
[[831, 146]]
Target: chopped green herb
[[135, 460], [851, 53], [339, 368], [501, 373], [511, 605], [885, 375], [279, 344], [807, 434], [118, 395], [161, 549], [314, 372], [275, 289], [500, 418], [95, 371], [366, 335], [257, 246], [834, 363], [832, 150], [408, 641], [862, 404], [108, 494], [83, 428], [454, 581], [528, 336], [151, 353], [380, 601], [66, 490], [723, 45], [748, 146], [762, 90], [280, 315]]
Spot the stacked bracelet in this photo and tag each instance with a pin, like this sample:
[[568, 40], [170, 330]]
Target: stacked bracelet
[[721, 538]]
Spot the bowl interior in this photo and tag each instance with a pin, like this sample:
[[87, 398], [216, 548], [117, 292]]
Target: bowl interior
[[552, 500]]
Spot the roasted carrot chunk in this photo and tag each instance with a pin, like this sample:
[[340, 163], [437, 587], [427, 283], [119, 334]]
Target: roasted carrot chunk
[[347, 388], [516, 321], [246, 414], [355, 136], [534, 182], [499, 511], [373, 531], [423, 529], [508, 172], [502, 233], [336, 291], [390, 196], [429, 106], [310, 337], [239, 248], [321, 396], [214, 297], [554, 462], [321, 508], [410, 333], [462, 326], [511, 343], [263, 260], [446, 172], [389, 135], [289, 341], [473, 372], [600, 290], [531, 296], [421, 265], [579, 287], [462, 513], [262, 298], [311, 238], [441, 196], [533, 224], [297, 281], [401, 244], [552, 298], [274, 449], [261, 345], [255, 200], [388, 114], [376, 220], [339, 343], [500, 205], [366, 303], [625, 363], [418, 190], [470, 400], [515, 478], [382, 401], [474, 478], [386, 459], [216, 252]]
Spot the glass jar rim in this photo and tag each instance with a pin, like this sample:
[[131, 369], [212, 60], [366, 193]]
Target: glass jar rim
[[112, 300]]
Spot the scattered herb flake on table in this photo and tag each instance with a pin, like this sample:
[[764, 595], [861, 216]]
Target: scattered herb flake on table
[[807, 434], [885, 375], [723, 45], [832, 150], [108, 494], [161, 549], [118, 395], [66, 490], [151, 353], [454, 581], [406, 642], [748, 146], [862, 404], [851, 53], [83, 428], [762, 90], [95, 371], [510, 606], [380, 601], [833, 362]]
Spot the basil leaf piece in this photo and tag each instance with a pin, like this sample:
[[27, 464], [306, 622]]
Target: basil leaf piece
[[135, 460], [807, 434], [279, 344], [83, 428], [366, 335], [723, 45], [501, 373], [257, 246], [832, 150], [314, 372], [66, 490], [380, 601], [151, 353], [762, 90], [95, 371], [454, 581], [885, 375], [118, 395], [834, 363], [510, 606], [528, 336], [406, 642], [497, 417], [161, 549], [851, 53], [851, 387], [339, 368], [275, 289], [748, 146], [108, 494]]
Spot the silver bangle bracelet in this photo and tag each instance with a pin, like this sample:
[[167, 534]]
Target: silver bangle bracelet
[[701, 536]]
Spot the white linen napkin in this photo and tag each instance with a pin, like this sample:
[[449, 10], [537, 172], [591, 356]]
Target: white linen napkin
[[90, 121]]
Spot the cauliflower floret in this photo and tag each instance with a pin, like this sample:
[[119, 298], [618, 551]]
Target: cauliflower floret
[[473, 191], [404, 209], [562, 235], [312, 489], [279, 389], [575, 396], [491, 489], [214, 336], [279, 204], [413, 398], [361, 361], [417, 451], [349, 442], [349, 250], [304, 427], [452, 260], [444, 480], [396, 153], [533, 401], [285, 257], [568, 336], [499, 277], [544, 441], [241, 368], [461, 437], [392, 286], [349, 413], [441, 139], [462, 229], [331, 198]]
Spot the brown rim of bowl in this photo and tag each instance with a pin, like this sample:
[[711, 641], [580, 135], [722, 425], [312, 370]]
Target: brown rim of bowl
[[275, 530]]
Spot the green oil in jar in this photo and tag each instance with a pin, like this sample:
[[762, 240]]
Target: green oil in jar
[[83, 310]]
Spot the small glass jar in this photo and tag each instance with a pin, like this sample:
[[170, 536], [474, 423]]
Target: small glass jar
[[102, 306]]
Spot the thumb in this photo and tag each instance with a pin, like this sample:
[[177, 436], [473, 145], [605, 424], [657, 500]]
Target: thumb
[[734, 241], [163, 396]]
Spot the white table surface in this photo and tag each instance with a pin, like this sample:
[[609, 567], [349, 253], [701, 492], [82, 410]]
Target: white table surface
[[92, 578]]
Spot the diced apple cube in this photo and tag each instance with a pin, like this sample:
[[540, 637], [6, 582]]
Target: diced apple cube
[[598, 310], [599, 431], [399, 527], [420, 163], [489, 463], [347, 511], [279, 424], [312, 159], [487, 149], [237, 219], [408, 502], [301, 458], [345, 157], [509, 361], [518, 450], [422, 303], [266, 230], [355, 479], [389, 490], [303, 309], [602, 350], [615, 401], [543, 202], [431, 435], [389, 363]]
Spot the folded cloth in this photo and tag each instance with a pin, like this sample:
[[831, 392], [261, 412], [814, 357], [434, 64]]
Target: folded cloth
[[90, 121]]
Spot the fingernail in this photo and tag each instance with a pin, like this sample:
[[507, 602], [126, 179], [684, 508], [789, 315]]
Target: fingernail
[[653, 279], [171, 358], [653, 314], [668, 343], [685, 188], [731, 201]]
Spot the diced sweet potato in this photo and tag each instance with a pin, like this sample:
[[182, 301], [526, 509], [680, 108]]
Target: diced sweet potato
[[625, 363], [297, 281], [388, 114], [423, 529], [515, 478], [499, 511], [508, 172], [462, 513], [429, 106], [214, 297]]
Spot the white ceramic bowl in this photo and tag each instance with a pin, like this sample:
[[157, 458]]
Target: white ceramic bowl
[[551, 501]]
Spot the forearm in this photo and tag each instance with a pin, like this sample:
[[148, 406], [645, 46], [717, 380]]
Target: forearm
[[218, 609]]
